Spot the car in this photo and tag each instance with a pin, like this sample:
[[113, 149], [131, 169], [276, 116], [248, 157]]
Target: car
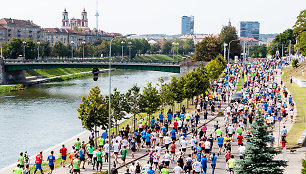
[[237, 97]]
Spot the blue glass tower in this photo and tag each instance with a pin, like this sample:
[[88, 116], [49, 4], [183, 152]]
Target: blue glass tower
[[249, 29]]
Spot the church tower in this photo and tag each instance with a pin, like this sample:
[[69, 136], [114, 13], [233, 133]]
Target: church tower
[[65, 20], [84, 20]]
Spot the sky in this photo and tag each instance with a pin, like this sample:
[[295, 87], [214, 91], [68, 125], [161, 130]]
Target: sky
[[159, 16]]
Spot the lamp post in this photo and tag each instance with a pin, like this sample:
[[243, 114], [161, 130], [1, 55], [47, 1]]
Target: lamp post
[[24, 42], [224, 52], [38, 43], [177, 44], [122, 45], [109, 99], [173, 51], [83, 44], [72, 43], [228, 57], [130, 45], [1, 51]]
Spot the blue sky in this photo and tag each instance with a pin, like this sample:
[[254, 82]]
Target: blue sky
[[159, 16]]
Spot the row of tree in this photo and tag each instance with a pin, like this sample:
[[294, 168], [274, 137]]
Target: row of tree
[[14, 48], [296, 35], [93, 110], [211, 46]]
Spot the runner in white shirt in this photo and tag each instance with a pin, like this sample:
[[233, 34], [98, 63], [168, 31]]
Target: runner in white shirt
[[125, 142], [167, 158], [167, 140], [241, 151], [133, 168], [158, 149], [196, 167], [184, 145], [116, 149], [192, 142], [178, 169]]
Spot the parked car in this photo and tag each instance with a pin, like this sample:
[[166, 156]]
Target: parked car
[[237, 97]]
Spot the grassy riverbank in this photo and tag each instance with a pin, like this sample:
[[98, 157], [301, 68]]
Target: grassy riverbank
[[9, 88], [157, 57], [46, 73], [299, 95]]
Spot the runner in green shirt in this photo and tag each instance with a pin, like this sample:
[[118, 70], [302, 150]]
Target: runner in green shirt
[[101, 142], [165, 170], [123, 153], [21, 160], [77, 144], [18, 170], [239, 129], [99, 159], [218, 132], [231, 164], [90, 152], [76, 165]]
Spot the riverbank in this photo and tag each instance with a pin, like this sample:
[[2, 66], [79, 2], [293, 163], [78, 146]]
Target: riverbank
[[9, 88]]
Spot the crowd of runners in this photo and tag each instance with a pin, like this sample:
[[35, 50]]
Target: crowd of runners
[[181, 142]]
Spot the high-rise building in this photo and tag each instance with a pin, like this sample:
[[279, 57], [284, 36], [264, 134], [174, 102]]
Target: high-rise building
[[249, 29], [187, 25]]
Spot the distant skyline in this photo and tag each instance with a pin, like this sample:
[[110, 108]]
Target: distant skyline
[[159, 16]]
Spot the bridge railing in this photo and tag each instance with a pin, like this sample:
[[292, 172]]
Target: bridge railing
[[87, 60]]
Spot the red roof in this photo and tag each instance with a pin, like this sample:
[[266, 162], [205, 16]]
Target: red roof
[[16, 21], [198, 36], [247, 38]]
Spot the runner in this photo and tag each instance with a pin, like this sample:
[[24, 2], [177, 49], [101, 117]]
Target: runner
[[39, 159], [63, 152]]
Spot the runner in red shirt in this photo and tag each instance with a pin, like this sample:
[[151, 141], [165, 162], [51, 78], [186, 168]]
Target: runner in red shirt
[[39, 159], [63, 152], [175, 124], [240, 139], [172, 150]]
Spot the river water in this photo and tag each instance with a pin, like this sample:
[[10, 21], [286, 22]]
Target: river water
[[45, 115]]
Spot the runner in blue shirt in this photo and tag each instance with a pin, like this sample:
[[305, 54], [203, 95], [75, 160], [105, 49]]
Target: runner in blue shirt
[[173, 134], [213, 162], [152, 123], [51, 160], [220, 144], [169, 118], [164, 129], [161, 117], [143, 136], [204, 164], [148, 140]]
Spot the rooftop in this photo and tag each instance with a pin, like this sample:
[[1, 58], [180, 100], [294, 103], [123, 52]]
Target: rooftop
[[17, 22]]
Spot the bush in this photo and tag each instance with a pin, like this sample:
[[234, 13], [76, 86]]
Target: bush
[[295, 63], [304, 167]]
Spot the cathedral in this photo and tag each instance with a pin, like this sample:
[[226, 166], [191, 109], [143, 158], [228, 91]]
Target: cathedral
[[72, 23]]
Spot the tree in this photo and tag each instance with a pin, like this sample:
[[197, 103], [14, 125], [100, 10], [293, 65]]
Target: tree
[[30, 49], [145, 46], [207, 49], [13, 48], [214, 69], [300, 24], [258, 157], [176, 89], [258, 51], [188, 46], [284, 38], [227, 34], [302, 43], [93, 111], [166, 46], [133, 98], [150, 100], [119, 106], [154, 48], [59, 49]]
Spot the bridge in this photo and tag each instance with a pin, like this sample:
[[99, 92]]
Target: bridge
[[13, 71]]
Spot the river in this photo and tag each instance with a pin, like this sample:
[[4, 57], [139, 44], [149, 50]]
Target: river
[[45, 115]]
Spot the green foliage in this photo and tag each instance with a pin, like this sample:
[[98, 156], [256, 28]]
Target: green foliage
[[151, 99], [214, 69], [227, 34], [295, 63], [93, 111], [133, 98], [221, 59], [284, 38], [207, 49], [119, 105], [302, 43], [166, 46], [8, 88], [258, 157], [300, 24], [258, 51], [13, 48], [304, 167], [154, 48]]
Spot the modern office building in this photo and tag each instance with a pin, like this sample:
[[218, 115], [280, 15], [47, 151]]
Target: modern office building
[[187, 25], [249, 29]]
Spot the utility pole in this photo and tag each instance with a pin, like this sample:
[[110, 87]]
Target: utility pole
[[282, 50], [289, 50]]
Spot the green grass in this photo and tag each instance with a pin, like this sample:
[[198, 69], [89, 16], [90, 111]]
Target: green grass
[[240, 83], [55, 71], [299, 96], [8, 88], [70, 77], [157, 57]]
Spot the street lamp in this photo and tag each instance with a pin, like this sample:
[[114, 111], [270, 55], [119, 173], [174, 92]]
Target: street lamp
[[228, 56], [130, 45], [109, 98], [72, 43], [24, 42], [177, 44], [1, 51], [38, 43], [122, 45], [83, 44], [224, 54], [173, 44]]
